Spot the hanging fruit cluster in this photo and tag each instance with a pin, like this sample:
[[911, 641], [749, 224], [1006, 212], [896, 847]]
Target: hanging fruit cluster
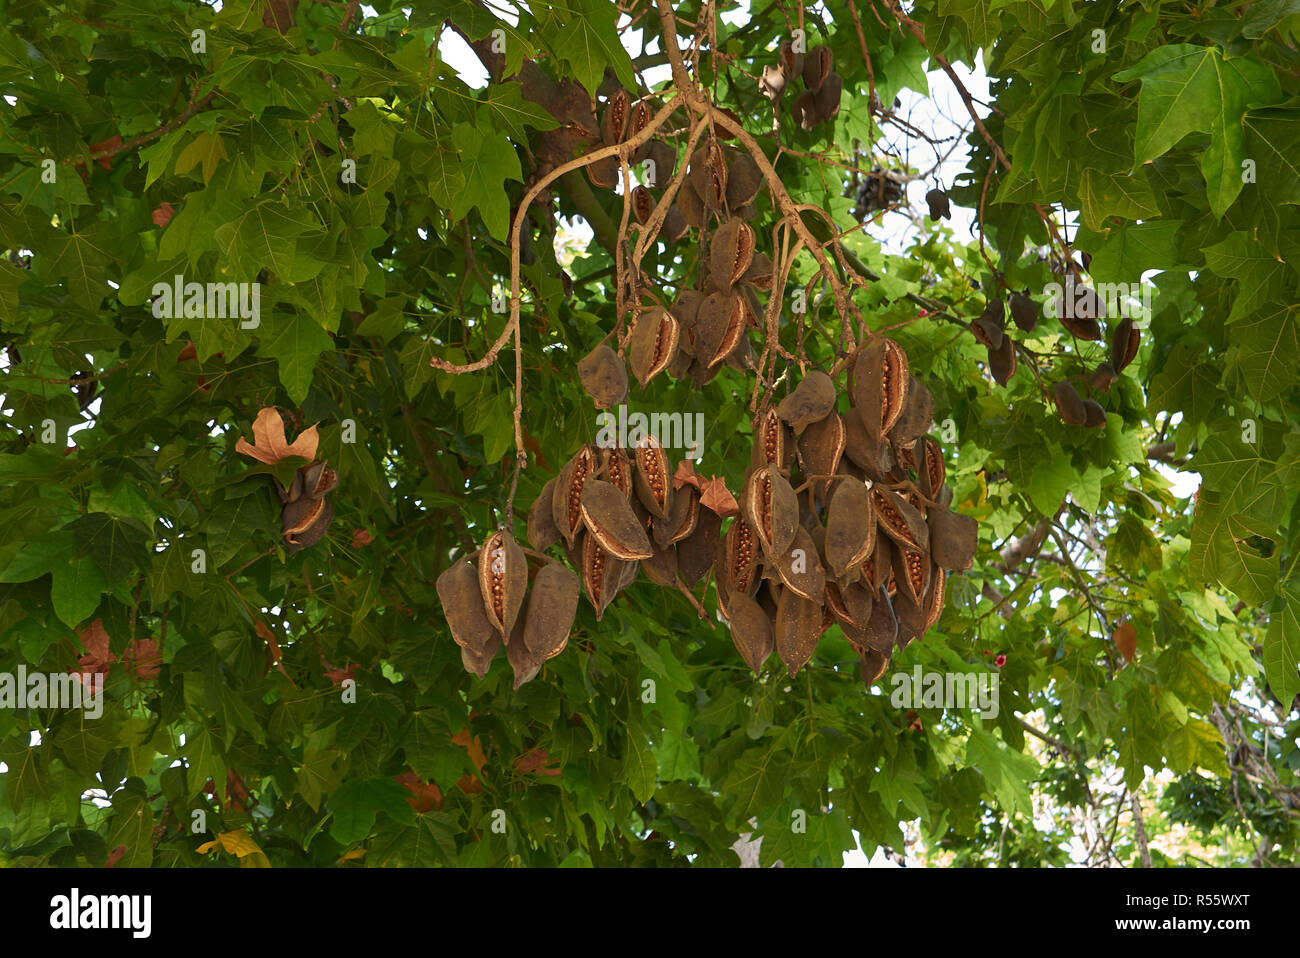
[[864, 539], [823, 87], [1080, 321], [841, 518]]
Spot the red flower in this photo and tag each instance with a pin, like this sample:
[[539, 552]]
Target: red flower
[[1000, 661]]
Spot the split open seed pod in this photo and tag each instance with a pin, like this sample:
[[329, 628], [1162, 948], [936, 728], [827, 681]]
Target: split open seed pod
[[502, 579]]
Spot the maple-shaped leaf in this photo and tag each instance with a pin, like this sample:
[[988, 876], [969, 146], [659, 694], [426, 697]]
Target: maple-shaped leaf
[[1125, 637], [339, 676], [426, 796], [269, 444], [685, 475], [533, 762], [240, 843], [143, 658], [98, 657], [715, 495]]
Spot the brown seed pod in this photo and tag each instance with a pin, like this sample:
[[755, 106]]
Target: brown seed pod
[[934, 597], [880, 381], [771, 441], [731, 250], [1002, 361], [753, 308], [790, 62], [613, 122], [657, 164], [772, 83], [804, 110], [912, 572], [653, 344], [876, 568], [542, 530], [502, 580], [524, 662], [870, 455], [827, 99], [681, 520], [478, 661], [911, 616], [653, 480], [566, 497], [1069, 404], [989, 325], [643, 204], [953, 539], [685, 311], [674, 225], [462, 605], [1124, 344], [882, 628], [610, 520], [739, 558], [817, 66], [940, 208], [811, 401], [304, 522], [691, 205], [821, 448], [719, 328], [1082, 327], [772, 507], [614, 467], [759, 274], [931, 471], [743, 181], [873, 666], [552, 604], [603, 376], [917, 416], [798, 626], [642, 114], [1093, 414], [858, 601], [800, 568], [900, 520], [751, 629], [696, 553], [850, 526], [604, 173], [708, 174], [1103, 377], [602, 574], [661, 568], [1024, 311]]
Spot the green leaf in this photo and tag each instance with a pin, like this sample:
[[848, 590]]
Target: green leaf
[[584, 35], [1282, 646], [296, 342], [78, 585], [639, 768], [132, 826], [1268, 351], [757, 779], [1259, 274], [487, 161], [206, 148], [1187, 89], [1102, 195], [357, 801]]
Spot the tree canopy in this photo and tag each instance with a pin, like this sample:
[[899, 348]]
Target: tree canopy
[[290, 514]]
